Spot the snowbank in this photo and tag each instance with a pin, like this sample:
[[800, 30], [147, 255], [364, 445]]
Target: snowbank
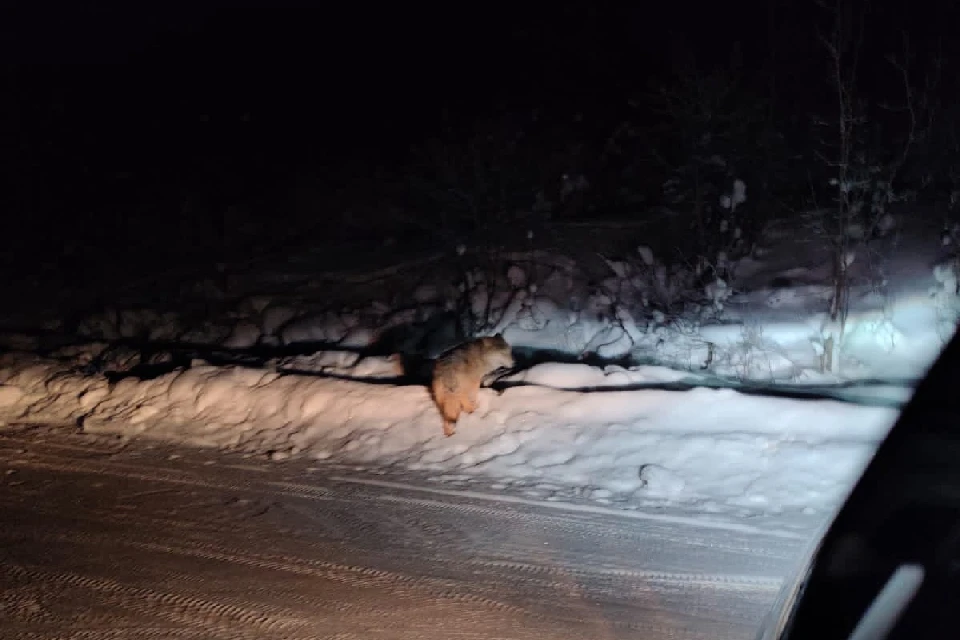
[[712, 450], [560, 375]]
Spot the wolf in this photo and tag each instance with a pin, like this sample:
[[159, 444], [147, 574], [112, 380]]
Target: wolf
[[457, 375]]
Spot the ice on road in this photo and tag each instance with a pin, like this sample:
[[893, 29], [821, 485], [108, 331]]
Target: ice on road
[[106, 539]]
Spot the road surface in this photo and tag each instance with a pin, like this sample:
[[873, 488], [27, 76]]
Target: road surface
[[121, 540]]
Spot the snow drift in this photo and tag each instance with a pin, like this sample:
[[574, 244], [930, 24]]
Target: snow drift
[[708, 450]]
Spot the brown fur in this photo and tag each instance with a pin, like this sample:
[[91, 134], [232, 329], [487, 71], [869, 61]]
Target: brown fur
[[458, 373]]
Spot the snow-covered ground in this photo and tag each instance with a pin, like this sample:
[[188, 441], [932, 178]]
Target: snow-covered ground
[[619, 401], [703, 450]]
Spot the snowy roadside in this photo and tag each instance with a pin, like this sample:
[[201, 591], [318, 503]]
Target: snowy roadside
[[582, 422], [700, 451]]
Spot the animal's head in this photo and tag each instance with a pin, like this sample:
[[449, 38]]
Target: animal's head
[[499, 354]]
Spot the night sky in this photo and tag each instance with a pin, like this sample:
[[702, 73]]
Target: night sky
[[113, 119], [358, 77]]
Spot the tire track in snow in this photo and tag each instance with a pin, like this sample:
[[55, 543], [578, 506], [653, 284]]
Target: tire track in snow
[[573, 508], [452, 592], [691, 584], [252, 597], [658, 577], [307, 490], [120, 470], [301, 490], [130, 633], [194, 612], [575, 524], [348, 575], [505, 512], [590, 533], [506, 515], [574, 602]]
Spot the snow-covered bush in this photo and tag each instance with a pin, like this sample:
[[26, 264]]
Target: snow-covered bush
[[648, 285], [946, 295], [864, 150]]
